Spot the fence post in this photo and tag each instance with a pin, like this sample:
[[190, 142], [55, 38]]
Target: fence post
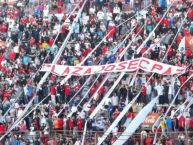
[[95, 138], [186, 132], [141, 142]]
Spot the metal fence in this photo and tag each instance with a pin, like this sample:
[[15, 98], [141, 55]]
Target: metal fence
[[92, 136]]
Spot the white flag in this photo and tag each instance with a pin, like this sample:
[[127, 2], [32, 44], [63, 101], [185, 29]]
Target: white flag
[[181, 46]]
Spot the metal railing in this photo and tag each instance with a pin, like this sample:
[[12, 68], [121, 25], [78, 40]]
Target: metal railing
[[92, 136]]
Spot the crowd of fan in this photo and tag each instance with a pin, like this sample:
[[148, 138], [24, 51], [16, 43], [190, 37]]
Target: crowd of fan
[[28, 31]]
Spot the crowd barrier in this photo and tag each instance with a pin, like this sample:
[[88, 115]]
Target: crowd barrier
[[91, 137]]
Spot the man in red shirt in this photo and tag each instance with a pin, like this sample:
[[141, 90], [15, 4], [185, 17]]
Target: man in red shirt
[[104, 49], [3, 28], [190, 13], [170, 53], [148, 140], [113, 139], [188, 53], [179, 38], [2, 128], [181, 123], [77, 86], [143, 93], [79, 123], [186, 32], [102, 90], [190, 125], [51, 41], [60, 123], [116, 113], [70, 125]]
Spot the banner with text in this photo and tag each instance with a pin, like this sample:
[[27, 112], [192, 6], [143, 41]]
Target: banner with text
[[144, 64]]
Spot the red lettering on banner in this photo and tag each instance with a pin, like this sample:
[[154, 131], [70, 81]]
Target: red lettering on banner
[[156, 67], [88, 71], [121, 66], [109, 67], [168, 71], [102, 68], [53, 70], [77, 70], [179, 71], [143, 60], [133, 64], [66, 71]]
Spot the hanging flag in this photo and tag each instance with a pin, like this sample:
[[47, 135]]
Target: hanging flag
[[181, 46]]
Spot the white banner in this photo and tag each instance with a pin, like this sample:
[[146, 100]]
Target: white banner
[[136, 122], [144, 64]]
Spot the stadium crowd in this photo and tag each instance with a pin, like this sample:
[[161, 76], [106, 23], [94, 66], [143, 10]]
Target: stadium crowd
[[28, 32]]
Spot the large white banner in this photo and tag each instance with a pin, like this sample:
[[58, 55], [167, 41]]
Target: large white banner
[[144, 64], [136, 122]]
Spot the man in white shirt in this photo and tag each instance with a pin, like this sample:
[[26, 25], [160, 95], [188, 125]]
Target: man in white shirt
[[115, 131], [92, 10], [16, 49], [160, 91], [114, 100], [170, 92], [46, 11], [116, 10], [149, 91], [159, 88], [131, 3], [100, 15], [43, 121], [19, 112]]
